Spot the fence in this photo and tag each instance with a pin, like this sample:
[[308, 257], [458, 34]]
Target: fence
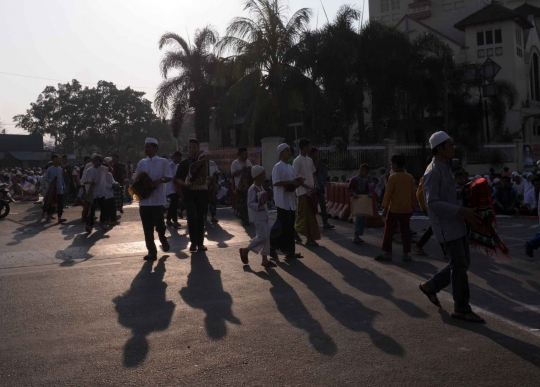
[[495, 154], [375, 156]]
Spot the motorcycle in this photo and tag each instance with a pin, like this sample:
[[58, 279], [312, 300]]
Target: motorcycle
[[5, 199]]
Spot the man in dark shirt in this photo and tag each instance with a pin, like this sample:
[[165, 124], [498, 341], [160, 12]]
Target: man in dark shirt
[[119, 175], [195, 198], [505, 198], [321, 173]]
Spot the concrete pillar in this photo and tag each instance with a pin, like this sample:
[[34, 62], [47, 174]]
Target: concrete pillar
[[269, 153]]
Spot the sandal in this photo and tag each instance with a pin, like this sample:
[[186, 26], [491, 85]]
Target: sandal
[[469, 317], [431, 296], [358, 241], [243, 257], [294, 256], [383, 258], [268, 264]]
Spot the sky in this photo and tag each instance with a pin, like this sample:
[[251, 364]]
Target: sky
[[111, 40]]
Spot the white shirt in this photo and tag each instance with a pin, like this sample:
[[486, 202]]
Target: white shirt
[[97, 176], [283, 199], [520, 188], [528, 187], [256, 213], [304, 167], [531, 199], [109, 181], [235, 167], [213, 168], [156, 167], [171, 188]]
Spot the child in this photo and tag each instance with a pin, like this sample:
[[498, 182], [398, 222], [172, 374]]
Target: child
[[398, 204], [359, 185], [258, 213]]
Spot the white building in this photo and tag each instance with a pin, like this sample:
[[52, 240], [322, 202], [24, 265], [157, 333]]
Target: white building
[[508, 32]]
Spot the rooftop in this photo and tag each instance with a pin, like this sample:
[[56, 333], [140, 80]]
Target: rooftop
[[492, 13]]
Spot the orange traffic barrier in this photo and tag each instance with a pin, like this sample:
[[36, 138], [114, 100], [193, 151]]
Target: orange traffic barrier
[[341, 199], [329, 196], [346, 210], [335, 202]]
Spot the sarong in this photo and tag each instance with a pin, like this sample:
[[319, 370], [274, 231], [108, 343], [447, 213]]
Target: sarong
[[306, 221], [49, 199], [118, 197], [485, 236]]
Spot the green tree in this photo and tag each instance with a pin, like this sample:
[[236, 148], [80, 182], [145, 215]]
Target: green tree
[[191, 90], [265, 44]]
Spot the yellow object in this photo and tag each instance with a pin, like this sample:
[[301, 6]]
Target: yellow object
[[400, 193]]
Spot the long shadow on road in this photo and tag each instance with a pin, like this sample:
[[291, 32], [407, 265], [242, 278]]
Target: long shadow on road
[[367, 282], [526, 351], [295, 312], [347, 310], [204, 291], [144, 310]]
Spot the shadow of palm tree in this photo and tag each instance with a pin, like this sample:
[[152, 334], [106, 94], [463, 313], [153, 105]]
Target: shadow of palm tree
[[144, 310], [347, 310], [295, 312], [204, 291], [368, 282]]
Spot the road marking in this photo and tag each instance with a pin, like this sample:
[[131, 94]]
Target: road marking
[[34, 269]]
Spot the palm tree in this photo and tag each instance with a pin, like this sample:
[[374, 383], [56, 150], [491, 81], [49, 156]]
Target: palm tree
[[265, 45], [191, 90]]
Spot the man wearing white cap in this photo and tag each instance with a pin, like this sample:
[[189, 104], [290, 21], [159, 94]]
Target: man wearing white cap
[[95, 178], [285, 182], [151, 208], [257, 198], [448, 222]]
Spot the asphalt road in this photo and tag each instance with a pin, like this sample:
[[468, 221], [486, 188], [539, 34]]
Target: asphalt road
[[86, 310]]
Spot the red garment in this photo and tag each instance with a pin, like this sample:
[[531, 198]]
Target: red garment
[[392, 222]]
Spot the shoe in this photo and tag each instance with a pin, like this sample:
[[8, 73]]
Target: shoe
[[383, 258], [357, 240], [150, 257], [202, 248], [165, 244], [528, 250], [328, 226], [407, 258], [193, 248], [60, 221], [214, 220]]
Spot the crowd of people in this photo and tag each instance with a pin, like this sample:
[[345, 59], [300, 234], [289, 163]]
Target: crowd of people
[[296, 187]]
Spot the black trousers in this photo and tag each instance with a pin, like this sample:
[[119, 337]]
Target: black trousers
[[196, 203], [172, 213], [111, 209], [242, 207], [59, 206], [103, 212], [282, 234], [152, 217]]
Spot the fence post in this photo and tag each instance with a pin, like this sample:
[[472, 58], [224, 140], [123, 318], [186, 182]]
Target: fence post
[[269, 153], [520, 162]]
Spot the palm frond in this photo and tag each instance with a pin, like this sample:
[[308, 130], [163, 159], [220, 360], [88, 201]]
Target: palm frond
[[204, 38], [170, 38], [168, 91], [173, 60]]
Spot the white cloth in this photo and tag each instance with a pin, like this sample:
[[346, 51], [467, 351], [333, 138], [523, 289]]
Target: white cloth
[[283, 199], [150, 140], [531, 199], [212, 168], [528, 187], [520, 188], [236, 166], [255, 211], [156, 167], [97, 176], [171, 188], [261, 243], [109, 181], [304, 167], [256, 171], [281, 148]]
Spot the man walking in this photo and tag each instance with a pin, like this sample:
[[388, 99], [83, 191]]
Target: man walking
[[119, 175], [448, 223], [151, 208], [285, 183], [195, 197], [306, 221], [238, 167], [172, 193], [321, 173]]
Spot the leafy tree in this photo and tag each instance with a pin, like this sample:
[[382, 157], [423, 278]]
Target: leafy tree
[[191, 90], [264, 45], [103, 118]]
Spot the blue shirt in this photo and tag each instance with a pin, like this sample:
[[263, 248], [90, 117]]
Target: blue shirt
[[53, 172], [506, 196]]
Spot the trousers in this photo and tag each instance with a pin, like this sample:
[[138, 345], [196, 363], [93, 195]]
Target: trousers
[[261, 243], [282, 234], [102, 212], [394, 220], [59, 206], [196, 202], [359, 225], [322, 205], [455, 273], [152, 217], [172, 212]]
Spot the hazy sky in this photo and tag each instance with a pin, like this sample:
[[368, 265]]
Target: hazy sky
[[112, 40]]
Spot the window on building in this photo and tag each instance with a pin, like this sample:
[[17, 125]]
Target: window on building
[[498, 36], [489, 37], [481, 53], [519, 52], [489, 52], [395, 5], [480, 38], [519, 37], [535, 78], [385, 5], [498, 51]]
